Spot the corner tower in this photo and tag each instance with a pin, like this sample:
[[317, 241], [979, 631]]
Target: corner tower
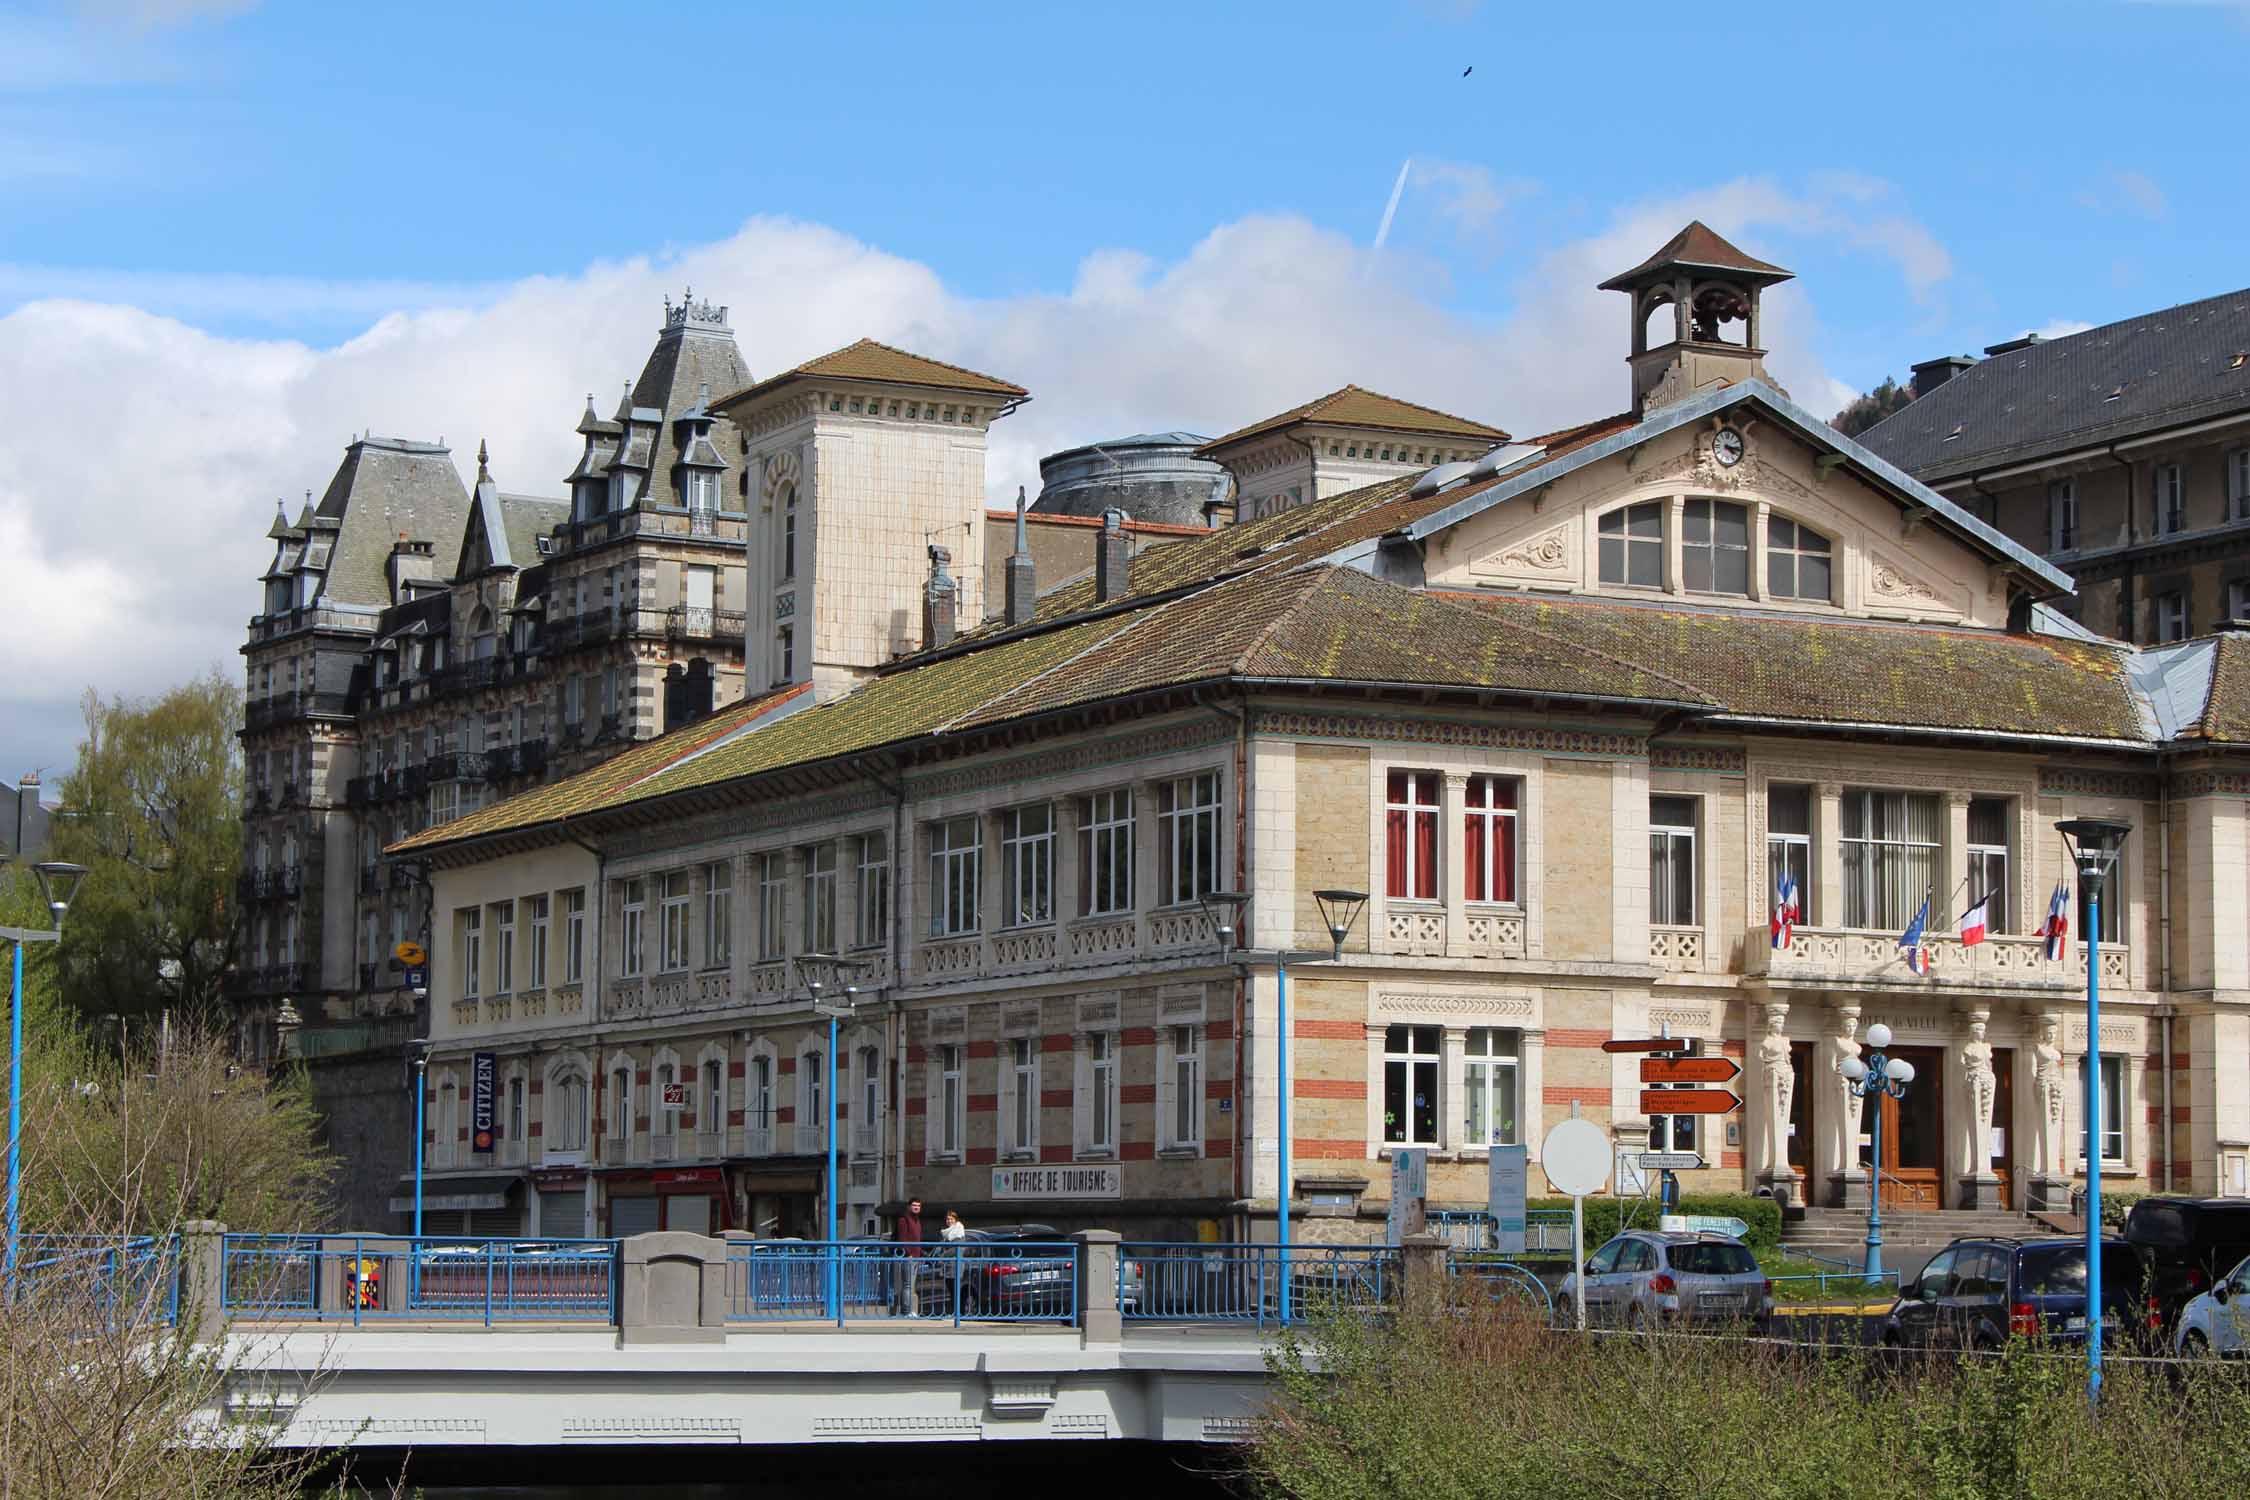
[[1706, 293]]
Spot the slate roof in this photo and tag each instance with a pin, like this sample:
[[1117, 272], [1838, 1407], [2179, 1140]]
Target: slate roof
[[1354, 407], [2163, 369], [869, 360], [695, 357], [385, 488], [1699, 248], [2226, 712]]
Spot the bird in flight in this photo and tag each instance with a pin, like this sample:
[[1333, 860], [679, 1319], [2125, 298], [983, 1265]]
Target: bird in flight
[[1471, 68]]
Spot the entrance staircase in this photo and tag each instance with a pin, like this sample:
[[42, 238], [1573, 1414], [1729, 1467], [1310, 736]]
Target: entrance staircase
[[1841, 1233]]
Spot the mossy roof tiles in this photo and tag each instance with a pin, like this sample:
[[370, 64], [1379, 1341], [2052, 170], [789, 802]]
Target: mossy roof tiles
[[868, 360], [1354, 407], [2226, 713]]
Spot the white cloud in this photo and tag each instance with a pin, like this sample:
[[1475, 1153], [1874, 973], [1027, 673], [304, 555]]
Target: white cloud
[[1470, 197], [2056, 328], [133, 526], [2124, 191]]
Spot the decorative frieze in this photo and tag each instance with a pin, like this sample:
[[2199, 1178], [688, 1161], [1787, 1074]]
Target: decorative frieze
[[1488, 1005], [2200, 784], [1726, 760], [1317, 726], [2065, 781]]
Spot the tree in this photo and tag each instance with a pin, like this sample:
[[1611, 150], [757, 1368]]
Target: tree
[[153, 809], [1873, 407]]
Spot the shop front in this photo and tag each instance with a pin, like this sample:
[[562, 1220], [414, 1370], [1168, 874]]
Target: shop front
[[779, 1198], [691, 1200], [559, 1196]]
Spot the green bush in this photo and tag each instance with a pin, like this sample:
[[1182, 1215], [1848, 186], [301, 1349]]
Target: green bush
[[1606, 1215]]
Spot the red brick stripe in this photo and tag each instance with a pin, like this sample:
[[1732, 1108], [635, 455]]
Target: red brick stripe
[[1060, 1043], [1219, 1031], [1557, 1094], [1316, 1148], [1560, 1036], [1137, 1036], [1054, 1153], [983, 1104], [1054, 1099], [1223, 1147], [1330, 1088], [1137, 1093], [1330, 1031], [984, 1049], [1137, 1151]]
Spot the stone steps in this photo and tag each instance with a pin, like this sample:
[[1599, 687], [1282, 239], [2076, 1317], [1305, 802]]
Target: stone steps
[[1833, 1232]]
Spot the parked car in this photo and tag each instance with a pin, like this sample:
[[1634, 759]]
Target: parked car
[[1978, 1293], [2218, 1321], [1014, 1270], [2187, 1244], [1646, 1277]]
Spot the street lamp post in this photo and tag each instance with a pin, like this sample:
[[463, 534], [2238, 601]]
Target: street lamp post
[[822, 969], [1871, 1078], [58, 882], [2094, 845], [1339, 910]]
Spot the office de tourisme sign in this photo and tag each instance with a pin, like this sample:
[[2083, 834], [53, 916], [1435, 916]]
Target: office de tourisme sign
[[1057, 1182]]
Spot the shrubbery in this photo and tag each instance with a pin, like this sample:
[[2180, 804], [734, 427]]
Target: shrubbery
[[1606, 1215]]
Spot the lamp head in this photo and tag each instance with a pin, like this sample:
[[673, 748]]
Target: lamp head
[[1900, 1070], [1338, 911], [58, 884], [2094, 844], [1878, 1036], [1852, 1068], [1224, 908]]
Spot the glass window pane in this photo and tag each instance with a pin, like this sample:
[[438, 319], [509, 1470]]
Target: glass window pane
[[1696, 522], [1647, 569], [1695, 569], [1780, 533], [1781, 574], [1730, 525], [1812, 578], [1731, 572]]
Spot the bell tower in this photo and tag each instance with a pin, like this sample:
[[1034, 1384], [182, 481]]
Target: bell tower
[[1700, 294]]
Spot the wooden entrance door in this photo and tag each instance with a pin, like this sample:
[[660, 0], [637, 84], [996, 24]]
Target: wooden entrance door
[[1914, 1134], [2003, 1124], [1803, 1114]]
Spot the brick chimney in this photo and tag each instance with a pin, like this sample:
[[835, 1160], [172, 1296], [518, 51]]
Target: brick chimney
[[1111, 556], [1932, 373], [1023, 587], [940, 601]]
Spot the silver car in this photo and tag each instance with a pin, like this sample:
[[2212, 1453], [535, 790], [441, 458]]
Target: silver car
[[1644, 1278], [2218, 1321]]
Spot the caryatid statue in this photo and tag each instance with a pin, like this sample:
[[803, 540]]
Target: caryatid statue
[[2048, 1088], [1780, 1083], [1847, 1045], [1983, 1085]]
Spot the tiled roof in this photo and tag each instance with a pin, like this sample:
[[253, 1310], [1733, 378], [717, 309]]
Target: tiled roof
[[1848, 672], [2185, 364], [2226, 714], [1698, 247], [1353, 407], [868, 360], [384, 489]]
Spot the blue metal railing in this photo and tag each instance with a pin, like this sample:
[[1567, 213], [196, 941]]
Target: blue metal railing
[[363, 1278], [958, 1281], [1504, 1280], [1241, 1283], [1546, 1230], [131, 1278]]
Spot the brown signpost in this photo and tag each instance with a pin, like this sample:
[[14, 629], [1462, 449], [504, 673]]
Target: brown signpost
[[1688, 1102], [1645, 1044], [1689, 1069]]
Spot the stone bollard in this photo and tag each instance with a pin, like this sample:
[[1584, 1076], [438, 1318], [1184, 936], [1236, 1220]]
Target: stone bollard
[[1099, 1319], [672, 1289], [203, 1316], [1422, 1270]]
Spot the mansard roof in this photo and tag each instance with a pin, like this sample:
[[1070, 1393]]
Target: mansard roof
[[1353, 407], [870, 361], [384, 489], [695, 354], [508, 525]]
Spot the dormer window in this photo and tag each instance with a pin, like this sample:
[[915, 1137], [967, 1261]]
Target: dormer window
[[702, 490], [1632, 546], [622, 491]]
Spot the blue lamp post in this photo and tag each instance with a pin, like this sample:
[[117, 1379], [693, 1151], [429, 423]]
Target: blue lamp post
[[1338, 911], [822, 969], [58, 882], [2094, 845], [1872, 1077]]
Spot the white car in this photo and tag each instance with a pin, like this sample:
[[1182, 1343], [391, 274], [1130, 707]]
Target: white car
[[2218, 1321]]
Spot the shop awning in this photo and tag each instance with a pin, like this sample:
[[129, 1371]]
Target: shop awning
[[456, 1194]]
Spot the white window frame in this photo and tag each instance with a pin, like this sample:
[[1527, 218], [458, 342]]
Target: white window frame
[[1179, 1071], [1105, 853], [867, 1119], [1989, 866], [675, 892], [1624, 526], [956, 876], [873, 861], [2062, 515], [1019, 1098], [2169, 483], [1401, 1047], [1798, 548], [773, 906], [1482, 1075], [663, 1124], [537, 924], [574, 935], [632, 927], [1189, 845], [819, 865], [1415, 780], [622, 1088], [1867, 848], [562, 1125], [1668, 834], [472, 952], [812, 1109], [758, 1103], [2114, 1123], [1495, 818], [711, 1096], [1098, 1095], [1708, 510], [503, 947], [718, 914], [1027, 865], [951, 1114]]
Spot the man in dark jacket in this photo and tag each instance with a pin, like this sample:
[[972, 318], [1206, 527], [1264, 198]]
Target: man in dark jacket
[[908, 1234]]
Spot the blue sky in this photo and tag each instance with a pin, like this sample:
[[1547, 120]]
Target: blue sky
[[235, 233]]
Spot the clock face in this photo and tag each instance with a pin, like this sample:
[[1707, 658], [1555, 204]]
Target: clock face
[[1726, 446]]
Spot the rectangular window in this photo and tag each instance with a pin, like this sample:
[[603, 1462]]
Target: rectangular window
[[1410, 836], [1988, 858], [2113, 1108], [621, 1102], [504, 947], [535, 954], [663, 1118], [2171, 617], [2238, 599], [2062, 515], [1186, 1122], [1488, 849], [574, 936], [1410, 1084], [711, 1104], [867, 1138], [1891, 849], [820, 897], [1671, 861], [472, 953], [2113, 908], [1789, 843], [785, 654], [956, 857], [757, 1104], [952, 1102], [788, 550], [574, 702], [631, 955], [1105, 853], [1187, 845], [514, 1129], [672, 922], [773, 893], [812, 1118], [718, 914], [1797, 561], [1101, 1094], [2171, 498], [874, 865], [2238, 484], [1675, 1132], [1715, 547], [1632, 545], [1023, 1096], [1489, 1074], [1027, 865]]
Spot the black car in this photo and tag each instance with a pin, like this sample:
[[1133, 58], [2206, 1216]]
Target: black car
[[1023, 1270], [1976, 1294], [2188, 1244]]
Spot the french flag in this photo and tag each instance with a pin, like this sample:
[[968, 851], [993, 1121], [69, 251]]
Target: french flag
[[2058, 921], [1784, 910], [1910, 941], [1973, 921]]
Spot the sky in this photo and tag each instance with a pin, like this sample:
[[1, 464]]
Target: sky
[[234, 234]]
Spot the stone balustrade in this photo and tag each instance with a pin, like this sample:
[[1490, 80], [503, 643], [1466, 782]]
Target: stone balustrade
[[1831, 955]]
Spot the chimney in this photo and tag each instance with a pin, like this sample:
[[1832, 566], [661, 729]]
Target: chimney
[[1023, 588], [2010, 346], [1932, 373], [1110, 557], [940, 598]]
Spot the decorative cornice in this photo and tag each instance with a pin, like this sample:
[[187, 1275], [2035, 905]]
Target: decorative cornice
[[1727, 760], [1337, 726], [2193, 784], [1189, 734]]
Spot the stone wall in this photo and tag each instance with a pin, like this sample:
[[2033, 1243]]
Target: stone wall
[[367, 1118]]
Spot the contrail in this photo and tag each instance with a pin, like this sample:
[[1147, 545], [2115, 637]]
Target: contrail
[[1390, 209]]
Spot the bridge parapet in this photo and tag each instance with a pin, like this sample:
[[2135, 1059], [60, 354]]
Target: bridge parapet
[[672, 1289]]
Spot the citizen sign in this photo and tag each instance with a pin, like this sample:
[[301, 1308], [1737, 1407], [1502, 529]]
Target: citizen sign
[[1057, 1182]]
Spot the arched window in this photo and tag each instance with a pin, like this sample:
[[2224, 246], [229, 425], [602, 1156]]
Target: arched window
[[1797, 561], [663, 1118], [786, 549], [564, 1128], [621, 1102]]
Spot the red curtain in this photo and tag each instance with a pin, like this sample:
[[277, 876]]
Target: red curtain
[[1394, 838]]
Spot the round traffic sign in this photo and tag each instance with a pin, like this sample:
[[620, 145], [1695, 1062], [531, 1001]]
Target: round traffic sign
[[409, 954], [1576, 1157]]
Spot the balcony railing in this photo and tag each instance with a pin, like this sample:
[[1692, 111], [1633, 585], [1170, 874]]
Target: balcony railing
[[456, 765], [696, 622], [281, 708], [1840, 955], [269, 885], [270, 979], [526, 759], [343, 1038]]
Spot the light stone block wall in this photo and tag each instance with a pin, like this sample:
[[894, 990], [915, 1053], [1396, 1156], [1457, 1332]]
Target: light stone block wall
[[1332, 848], [1581, 874]]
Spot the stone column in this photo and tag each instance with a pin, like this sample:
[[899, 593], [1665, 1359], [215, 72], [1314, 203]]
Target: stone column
[[1760, 512], [1453, 1078], [1422, 1271], [1452, 868], [672, 1289], [1675, 515], [1066, 871], [1847, 1179], [202, 1313], [1772, 1092], [1826, 908], [1100, 1320], [1980, 1185]]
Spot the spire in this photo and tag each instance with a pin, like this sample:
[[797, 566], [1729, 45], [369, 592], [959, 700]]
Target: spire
[[1021, 547], [484, 469], [1023, 586]]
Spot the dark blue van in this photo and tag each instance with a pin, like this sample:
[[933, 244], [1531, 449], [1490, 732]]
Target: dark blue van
[[1976, 1294]]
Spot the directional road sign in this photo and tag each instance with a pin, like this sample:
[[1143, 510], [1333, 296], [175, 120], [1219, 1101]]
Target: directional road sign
[[1689, 1069], [1688, 1102], [1670, 1161], [1645, 1044]]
